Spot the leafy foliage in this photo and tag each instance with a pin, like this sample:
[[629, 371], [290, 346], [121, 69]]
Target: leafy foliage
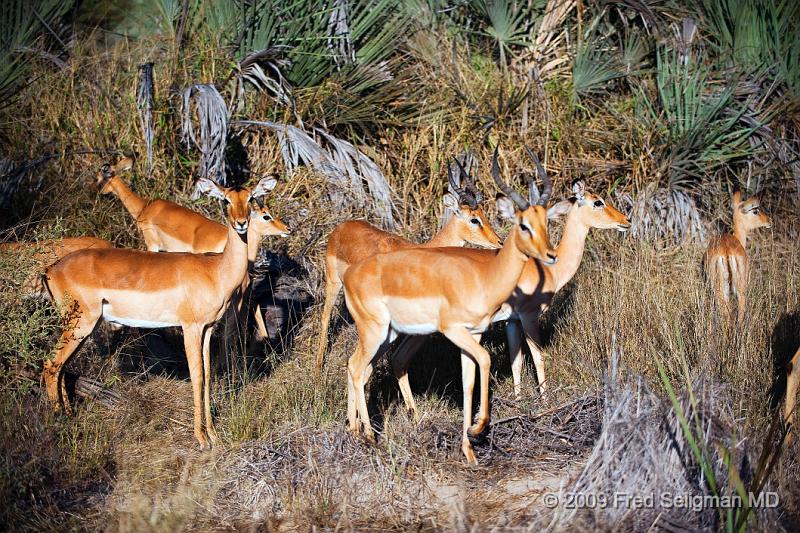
[[753, 34], [704, 130], [21, 24]]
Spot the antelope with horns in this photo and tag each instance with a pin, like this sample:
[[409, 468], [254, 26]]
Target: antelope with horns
[[423, 290], [155, 290], [536, 287], [355, 240], [726, 263]]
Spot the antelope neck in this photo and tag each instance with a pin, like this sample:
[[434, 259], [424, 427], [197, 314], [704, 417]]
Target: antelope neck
[[739, 231], [234, 257], [132, 201], [504, 270], [447, 236], [569, 249]]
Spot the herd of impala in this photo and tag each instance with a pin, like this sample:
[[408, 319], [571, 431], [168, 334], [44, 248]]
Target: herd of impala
[[392, 286]]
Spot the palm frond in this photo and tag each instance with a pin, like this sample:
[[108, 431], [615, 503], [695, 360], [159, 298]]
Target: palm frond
[[212, 118], [702, 119], [342, 164], [21, 23], [508, 24], [145, 101]]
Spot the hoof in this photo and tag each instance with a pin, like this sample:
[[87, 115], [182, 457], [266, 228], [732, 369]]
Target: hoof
[[469, 454]]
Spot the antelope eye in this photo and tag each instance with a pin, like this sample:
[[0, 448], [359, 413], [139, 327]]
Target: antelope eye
[[524, 227], [754, 210], [475, 221], [227, 200], [267, 217], [599, 203]]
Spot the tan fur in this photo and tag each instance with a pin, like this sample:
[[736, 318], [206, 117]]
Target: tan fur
[[161, 290], [45, 253], [355, 240], [726, 263], [535, 290], [443, 289], [170, 227]]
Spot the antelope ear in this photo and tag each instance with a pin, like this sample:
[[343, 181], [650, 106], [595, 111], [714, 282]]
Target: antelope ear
[[558, 210], [265, 185], [449, 201], [736, 197], [505, 207], [210, 188]]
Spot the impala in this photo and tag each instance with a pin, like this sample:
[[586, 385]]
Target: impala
[[536, 287], [355, 240], [154, 290], [169, 227], [44, 254], [726, 262], [424, 290]]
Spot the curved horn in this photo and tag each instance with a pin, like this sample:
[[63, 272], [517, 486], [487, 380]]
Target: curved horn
[[470, 182], [522, 204], [464, 195], [548, 185]]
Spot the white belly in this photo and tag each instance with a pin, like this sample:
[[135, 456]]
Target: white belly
[[134, 322], [414, 329]]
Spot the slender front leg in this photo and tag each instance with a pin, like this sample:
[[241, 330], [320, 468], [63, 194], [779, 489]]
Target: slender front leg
[[192, 342], [401, 359], [789, 414], [210, 429], [332, 286], [261, 327], [514, 338], [468, 386], [530, 325], [470, 344]]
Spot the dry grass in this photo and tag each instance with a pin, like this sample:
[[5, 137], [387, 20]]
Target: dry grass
[[286, 461]]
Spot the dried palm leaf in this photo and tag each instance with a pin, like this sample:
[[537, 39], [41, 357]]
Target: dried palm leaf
[[145, 101], [212, 117]]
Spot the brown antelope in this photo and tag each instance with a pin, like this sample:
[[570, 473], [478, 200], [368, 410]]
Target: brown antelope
[[169, 227], [155, 290], [536, 287], [353, 241], [726, 262], [165, 226], [44, 254], [423, 290], [793, 370]]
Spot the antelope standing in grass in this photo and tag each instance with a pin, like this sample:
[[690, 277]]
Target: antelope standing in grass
[[155, 290], [424, 290], [355, 240], [726, 262], [536, 287], [169, 227]]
